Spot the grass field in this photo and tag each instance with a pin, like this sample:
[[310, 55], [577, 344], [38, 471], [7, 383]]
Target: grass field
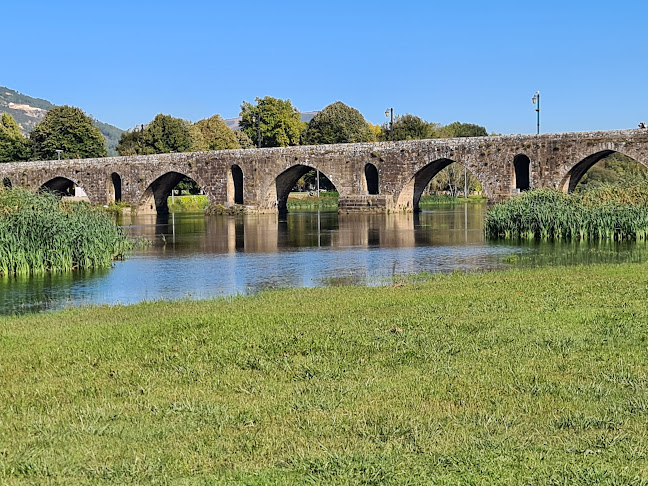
[[520, 377]]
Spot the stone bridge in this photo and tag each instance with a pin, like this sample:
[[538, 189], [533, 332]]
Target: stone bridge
[[380, 176]]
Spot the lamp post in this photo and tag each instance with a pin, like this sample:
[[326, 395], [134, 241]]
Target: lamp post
[[258, 124], [58, 153], [536, 101], [389, 112]]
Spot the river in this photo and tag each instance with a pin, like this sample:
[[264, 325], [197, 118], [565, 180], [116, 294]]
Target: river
[[193, 256]]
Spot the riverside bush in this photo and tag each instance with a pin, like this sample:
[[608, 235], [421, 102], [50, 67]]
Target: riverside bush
[[40, 233], [603, 213]]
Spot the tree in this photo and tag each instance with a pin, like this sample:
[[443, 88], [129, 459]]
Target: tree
[[215, 134], [278, 121], [131, 142], [165, 134], [458, 129], [337, 123], [70, 130], [243, 140], [13, 145], [411, 127]]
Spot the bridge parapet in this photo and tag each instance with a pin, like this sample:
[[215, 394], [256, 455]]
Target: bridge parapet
[[379, 176]]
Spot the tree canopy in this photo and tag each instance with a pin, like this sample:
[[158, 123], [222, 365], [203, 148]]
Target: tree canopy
[[214, 134], [13, 145], [243, 140], [165, 134], [70, 130], [337, 123], [411, 127], [278, 121], [458, 129]]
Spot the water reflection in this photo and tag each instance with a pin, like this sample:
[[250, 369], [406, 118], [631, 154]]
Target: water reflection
[[193, 256]]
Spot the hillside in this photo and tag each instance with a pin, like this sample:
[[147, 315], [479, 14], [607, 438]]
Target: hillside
[[28, 111]]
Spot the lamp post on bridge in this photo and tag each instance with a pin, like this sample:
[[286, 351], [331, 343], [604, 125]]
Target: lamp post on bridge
[[536, 101], [390, 112], [58, 153]]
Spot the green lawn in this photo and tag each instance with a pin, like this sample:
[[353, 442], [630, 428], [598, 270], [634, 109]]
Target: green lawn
[[519, 377]]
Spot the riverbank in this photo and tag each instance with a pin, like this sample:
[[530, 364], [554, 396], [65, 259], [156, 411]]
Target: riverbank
[[517, 377]]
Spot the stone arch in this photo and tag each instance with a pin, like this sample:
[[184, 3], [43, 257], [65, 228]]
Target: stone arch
[[235, 185], [6, 182], [277, 194], [371, 180], [154, 199], [521, 172], [63, 186], [114, 188], [573, 176], [410, 196]]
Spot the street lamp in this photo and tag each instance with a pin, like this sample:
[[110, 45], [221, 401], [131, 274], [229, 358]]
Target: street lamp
[[536, 101], [389, 112], [58, 152]]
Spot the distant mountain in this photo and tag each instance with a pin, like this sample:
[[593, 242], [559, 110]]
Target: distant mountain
[[306, 116], [28, 111]]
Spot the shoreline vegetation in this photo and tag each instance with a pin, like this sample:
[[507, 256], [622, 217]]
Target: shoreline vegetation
[[512, 377], [605, 212], [39, 233]]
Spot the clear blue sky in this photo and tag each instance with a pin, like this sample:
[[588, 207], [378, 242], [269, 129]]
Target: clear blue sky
[[476, 62]]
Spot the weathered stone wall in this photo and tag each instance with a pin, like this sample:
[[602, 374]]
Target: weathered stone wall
[[404, 169]]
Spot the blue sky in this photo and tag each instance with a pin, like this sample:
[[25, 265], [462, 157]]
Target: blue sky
[[475, 62]]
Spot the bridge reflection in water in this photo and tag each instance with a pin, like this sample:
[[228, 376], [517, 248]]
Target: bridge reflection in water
[[193, 256]]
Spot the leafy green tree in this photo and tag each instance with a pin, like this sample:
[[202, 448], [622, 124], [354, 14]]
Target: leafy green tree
[[410, 127], [132, 142], [337, 123], [69, 129], [458, 129], [166, 134], [215, 134], [243, 140], [13, 145], [278, 121]]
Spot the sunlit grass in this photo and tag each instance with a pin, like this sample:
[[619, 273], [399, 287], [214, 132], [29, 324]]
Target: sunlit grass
[[187, 203], [520, 377]]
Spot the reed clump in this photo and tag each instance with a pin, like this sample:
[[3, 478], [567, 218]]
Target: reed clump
[[603, 213], [39, 233]]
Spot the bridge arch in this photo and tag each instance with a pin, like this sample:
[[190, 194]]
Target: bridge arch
[[114, 188], [154, 198], [576, 172], [278, 192], [64, 186], [521, 172], [410, 196], [235, 185], [371, 179]]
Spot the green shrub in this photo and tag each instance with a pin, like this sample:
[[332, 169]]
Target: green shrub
[[39, 233], [602, 213]]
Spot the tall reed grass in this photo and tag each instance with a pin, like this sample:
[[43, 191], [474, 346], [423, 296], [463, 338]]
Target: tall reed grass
[[40, 233], [603, 213]]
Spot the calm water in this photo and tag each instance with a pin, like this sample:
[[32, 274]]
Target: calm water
[[193, 256]]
